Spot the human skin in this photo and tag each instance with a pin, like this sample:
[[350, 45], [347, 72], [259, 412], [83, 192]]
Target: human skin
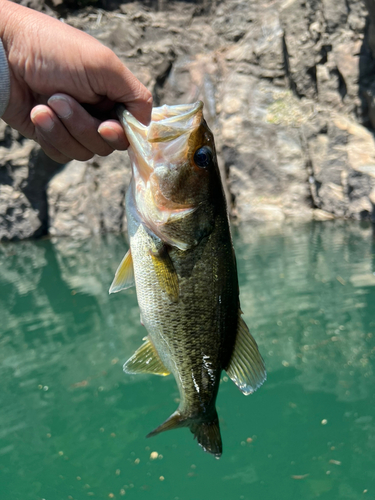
[[55, 69]]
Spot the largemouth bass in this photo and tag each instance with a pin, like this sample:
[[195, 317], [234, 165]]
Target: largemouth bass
[[182, 262]]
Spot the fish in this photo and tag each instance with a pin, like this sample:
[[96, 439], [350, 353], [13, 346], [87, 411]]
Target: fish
[[182, 262]]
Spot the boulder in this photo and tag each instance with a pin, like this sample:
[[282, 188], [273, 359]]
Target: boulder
[[343, 170], [87, 198], [24, 173]]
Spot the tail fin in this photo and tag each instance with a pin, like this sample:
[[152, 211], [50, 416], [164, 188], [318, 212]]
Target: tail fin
[[173, 422], [207, 433]]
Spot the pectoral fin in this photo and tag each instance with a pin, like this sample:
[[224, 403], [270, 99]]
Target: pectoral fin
[[146, 360], [166, 273], [124, 277], [246, 366]]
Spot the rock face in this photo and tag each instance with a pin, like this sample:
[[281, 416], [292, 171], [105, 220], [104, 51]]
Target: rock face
[[288, 90], [24, 173], [345, 186], [88, 197]]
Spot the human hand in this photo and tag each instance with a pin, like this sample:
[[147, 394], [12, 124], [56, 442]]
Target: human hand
[[54, 69]]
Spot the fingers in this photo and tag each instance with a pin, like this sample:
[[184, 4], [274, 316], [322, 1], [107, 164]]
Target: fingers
[[51, 151], [84, 128], [120, 85], [51, 131], [141, 105], [113, 133], [67, 131]]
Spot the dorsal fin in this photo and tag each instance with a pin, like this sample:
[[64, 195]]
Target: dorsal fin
[[124, 277], [146, 360], [246, 366]]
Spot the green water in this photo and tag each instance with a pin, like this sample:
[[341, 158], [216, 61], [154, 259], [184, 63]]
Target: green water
[[72, 425]]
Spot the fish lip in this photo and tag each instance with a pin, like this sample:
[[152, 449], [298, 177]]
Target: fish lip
[[167, 123], [139, 150], [170, 122], [161, 115], [171, 114]]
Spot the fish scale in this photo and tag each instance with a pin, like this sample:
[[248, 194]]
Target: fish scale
[[185, 334], [182, 262]]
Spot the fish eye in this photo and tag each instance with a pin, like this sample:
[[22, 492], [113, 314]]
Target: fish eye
[[203, 157]]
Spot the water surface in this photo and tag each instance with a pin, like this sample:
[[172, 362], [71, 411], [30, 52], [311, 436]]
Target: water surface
[[73, 426]]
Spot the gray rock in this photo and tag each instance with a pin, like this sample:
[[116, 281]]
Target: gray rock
[[264, 152], [288, 91], [87, 198], [343, 170], [24, 173], [18, 220]]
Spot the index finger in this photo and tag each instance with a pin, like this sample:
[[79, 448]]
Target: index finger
[[122, 86], [140, 106]]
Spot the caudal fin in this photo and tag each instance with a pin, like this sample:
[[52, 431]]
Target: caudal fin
[[207, 433], [175, 421]]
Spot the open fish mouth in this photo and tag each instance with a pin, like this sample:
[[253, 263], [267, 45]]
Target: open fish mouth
[[166, 136], [159, 153]]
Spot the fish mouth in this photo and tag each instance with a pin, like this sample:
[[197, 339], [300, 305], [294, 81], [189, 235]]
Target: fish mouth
[[165, 137]]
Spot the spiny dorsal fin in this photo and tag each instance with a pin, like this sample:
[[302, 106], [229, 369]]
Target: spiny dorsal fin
[[246, 366], [146, 360], [166, 273], [124, 277]]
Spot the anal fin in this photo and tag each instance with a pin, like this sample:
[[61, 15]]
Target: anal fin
[[246, 367], [124, 277], [146, 360]]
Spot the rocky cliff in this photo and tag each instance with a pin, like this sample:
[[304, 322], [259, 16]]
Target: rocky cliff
[[289, 91]]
